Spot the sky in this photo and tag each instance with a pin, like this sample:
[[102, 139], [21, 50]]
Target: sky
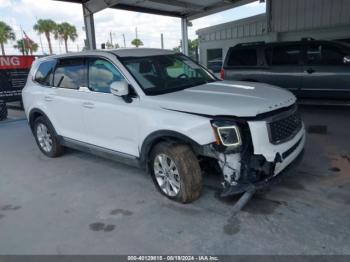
[[24, 13]]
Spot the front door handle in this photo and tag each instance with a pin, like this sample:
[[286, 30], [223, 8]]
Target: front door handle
[[48, 98], [88, 105], [310, 71]]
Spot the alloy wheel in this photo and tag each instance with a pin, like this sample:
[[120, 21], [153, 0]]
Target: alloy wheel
[[167, 175]]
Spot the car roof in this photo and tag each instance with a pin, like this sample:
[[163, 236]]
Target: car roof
[[122, 52], [139, 52]]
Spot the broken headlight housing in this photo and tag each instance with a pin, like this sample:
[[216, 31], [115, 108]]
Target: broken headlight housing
[[227, 133]]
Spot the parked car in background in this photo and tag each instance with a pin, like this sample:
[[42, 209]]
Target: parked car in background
[[162, 111], [308, 68]]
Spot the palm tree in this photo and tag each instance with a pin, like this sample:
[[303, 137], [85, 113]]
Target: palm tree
[[137, 42], [6, 33], [46, 26], [26, 48], [66, 31]]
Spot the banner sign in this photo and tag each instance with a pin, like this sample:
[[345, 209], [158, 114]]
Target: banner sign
[[13, 76]]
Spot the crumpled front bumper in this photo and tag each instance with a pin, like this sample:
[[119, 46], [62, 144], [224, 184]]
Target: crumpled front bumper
[[242, 187], [268, 160]]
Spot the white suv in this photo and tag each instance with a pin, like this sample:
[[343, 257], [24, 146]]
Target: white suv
[[160, 110]]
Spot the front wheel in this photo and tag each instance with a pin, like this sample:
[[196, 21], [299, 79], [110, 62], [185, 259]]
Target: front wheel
[[46, 138], [176, 172]]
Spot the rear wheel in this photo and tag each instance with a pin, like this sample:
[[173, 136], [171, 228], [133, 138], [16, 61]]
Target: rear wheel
[[176, 172], [46, 138], [3, 111]]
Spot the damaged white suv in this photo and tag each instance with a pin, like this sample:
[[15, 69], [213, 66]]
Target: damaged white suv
[[160, 110]]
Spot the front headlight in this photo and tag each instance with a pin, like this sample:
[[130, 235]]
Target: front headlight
[[227, 133]]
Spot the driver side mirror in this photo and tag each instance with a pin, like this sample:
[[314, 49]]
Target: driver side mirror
[[120, 88], [346, 59]]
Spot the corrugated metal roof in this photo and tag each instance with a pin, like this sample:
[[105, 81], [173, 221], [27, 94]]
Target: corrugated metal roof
[[191, 9]]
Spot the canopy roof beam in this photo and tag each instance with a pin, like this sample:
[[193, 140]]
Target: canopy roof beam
[[217, 7]]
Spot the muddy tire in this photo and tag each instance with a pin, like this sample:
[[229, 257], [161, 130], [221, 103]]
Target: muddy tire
[[3, 111], [46, 138], [176, 172]]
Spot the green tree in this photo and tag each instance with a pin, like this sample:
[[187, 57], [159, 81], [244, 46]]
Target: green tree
[[46, 27], [109, 45], [6, 33], [177, 49], [192, 45], [192, 48], [66, 31], [137, 42], [26, 46]]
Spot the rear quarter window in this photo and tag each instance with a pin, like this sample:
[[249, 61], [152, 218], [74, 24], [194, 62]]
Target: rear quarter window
[[242, 57], [44, 74], [70, 73]]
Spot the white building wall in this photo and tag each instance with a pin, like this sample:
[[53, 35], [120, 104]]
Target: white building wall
[[226, 35], [297, 15]]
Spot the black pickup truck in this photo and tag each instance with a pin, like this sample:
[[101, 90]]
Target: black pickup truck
[[13, 75]]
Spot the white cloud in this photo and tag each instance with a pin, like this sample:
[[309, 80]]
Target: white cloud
[[149, 28], [5, 3]]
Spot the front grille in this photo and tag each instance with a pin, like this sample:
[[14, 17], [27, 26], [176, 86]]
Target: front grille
[[284, 128]]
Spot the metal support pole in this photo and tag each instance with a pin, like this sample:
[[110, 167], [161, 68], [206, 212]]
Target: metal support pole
[[269, 15], [184, 34], [89, 28], [162, 41]]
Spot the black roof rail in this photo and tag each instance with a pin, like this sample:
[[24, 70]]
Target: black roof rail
[[250, 44]]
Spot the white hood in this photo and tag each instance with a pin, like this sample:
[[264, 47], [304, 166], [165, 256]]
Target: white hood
[[229, 98]]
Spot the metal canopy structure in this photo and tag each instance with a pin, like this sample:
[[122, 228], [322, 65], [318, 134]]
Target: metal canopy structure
[[185, 9]]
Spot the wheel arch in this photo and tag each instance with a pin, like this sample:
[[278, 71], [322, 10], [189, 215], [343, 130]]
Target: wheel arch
[[165, 136], [34, 114]]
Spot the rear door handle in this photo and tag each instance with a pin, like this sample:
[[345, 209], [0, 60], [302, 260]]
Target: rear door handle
[[310, 71], [48, 98], [88, 105]]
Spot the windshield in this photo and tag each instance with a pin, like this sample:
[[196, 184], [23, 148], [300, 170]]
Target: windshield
[[166, 73]]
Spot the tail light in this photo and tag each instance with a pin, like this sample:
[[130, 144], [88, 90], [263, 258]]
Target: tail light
[[222, 74]]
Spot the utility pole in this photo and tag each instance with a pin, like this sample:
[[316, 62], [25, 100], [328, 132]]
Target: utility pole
[[110, 36], [124, 41], [162, 40], [136, 33], [23, 44]]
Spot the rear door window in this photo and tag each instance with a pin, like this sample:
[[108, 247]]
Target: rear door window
[[70, 73], [323, 54], [283, 55], [44, 74], [242, 57]]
